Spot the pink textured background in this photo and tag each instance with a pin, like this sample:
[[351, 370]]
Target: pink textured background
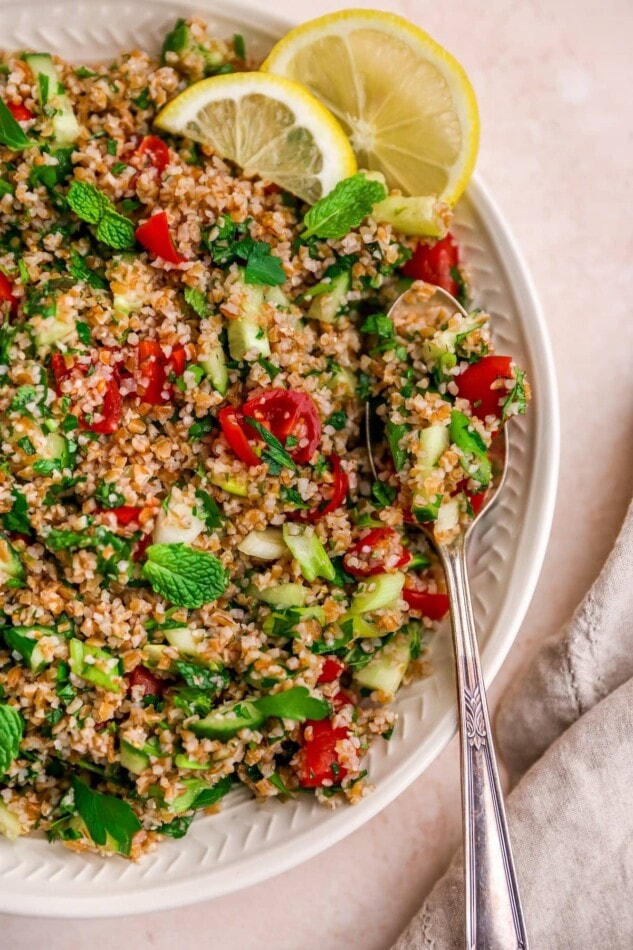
[[553, 83]]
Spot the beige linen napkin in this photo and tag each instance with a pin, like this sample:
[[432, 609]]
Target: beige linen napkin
[[569, 719]]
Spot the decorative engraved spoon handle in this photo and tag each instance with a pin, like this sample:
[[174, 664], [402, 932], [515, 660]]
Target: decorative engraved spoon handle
[[494, 919]]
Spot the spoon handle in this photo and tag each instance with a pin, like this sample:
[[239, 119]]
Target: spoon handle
[[494, 919]]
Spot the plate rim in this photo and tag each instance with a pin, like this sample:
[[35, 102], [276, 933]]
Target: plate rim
[[546, 453]]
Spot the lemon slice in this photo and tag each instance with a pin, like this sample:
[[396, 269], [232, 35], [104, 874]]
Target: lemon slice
[[268, 125], [406, 104]]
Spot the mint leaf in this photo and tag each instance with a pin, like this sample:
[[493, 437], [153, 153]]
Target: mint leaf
[[80, 271], [115, 230], [295, 703], [17, 518], [275, 452], [197, 300], [262, 267], [394, 435], [186, 577], [211, 681], [11, 133], [343, 208], [106, 817], [11, 732], [87, 202]]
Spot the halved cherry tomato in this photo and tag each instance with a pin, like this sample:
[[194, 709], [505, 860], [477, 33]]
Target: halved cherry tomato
[[154, 368], [112, 406], [375, 564], [434, 263], [475, 384], [433, 606], [124, 515], [321, 763], [19, 111], [6, 292], [156, 151], [156, 238], [336, 499], [332, 669], [287, 412], [151, 685], [232, 422]]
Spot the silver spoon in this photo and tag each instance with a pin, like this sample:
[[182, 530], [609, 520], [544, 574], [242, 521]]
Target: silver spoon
[[494, 918]]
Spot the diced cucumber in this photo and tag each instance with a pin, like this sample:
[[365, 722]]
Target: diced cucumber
[[439, 350], [95, 666], [327, 304], [230, 484], [133, 759], [10, 826], [447, 516], [176, 523], [245, 334], [434, 440], [185, 801], [213, 362], [282, 595], [308, 551], [126, 303], [381, 591], [65, 125], [276, 297], [182, 762], [419, 216], [11, 570], [385, 671], [465, 436], [267, 545], [344, 378], [53, 329], [226, 721], [25, 641], [154, 655], [360, 627], [183, 640]]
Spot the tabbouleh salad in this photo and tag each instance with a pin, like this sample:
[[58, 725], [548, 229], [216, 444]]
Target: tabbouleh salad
[[200, 582]]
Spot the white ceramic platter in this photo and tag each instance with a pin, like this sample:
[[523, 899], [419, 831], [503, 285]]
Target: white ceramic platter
[[249, 842]]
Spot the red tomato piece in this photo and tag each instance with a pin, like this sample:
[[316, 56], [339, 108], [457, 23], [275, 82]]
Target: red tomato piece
[[332, 670], [476, 501], [155, 151], [434, 263], [433, 606], [141, 547], [336, 499], [232, 423], [374, 564], [156, 238], [321, 762], [19, 111], [154, 369], [110, 411], [6, 293], [112, 406], [124, 515], [151, 685], [476, 381], [287, 412]]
